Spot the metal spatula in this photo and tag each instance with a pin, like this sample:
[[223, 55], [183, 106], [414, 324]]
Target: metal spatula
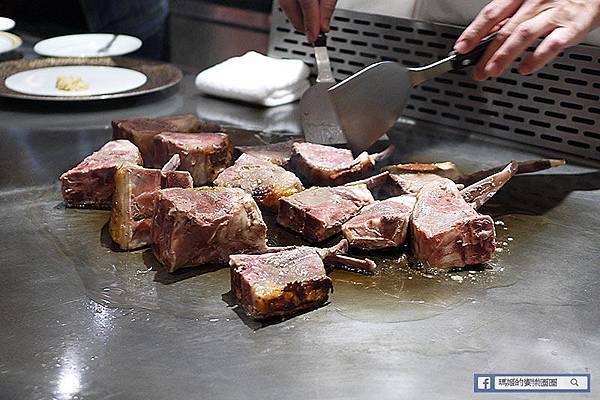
[[319, 120], [370, 102]]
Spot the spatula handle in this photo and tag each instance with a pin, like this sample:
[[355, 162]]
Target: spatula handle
[[471, 58], [324, 73]]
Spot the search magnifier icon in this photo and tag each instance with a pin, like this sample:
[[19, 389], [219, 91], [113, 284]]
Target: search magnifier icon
[[574, 382]]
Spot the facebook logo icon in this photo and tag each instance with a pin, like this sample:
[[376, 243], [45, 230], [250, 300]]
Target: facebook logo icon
[[484, 383]]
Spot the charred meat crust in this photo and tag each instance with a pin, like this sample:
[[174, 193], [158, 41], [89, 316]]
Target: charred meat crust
[[294, 298], [279, 283]]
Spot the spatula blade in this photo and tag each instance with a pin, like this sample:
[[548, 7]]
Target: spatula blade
[[319, 120], [370, 102]]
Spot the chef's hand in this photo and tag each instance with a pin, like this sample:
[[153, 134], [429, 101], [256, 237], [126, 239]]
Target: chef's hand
[[309, 16], [519, 23]]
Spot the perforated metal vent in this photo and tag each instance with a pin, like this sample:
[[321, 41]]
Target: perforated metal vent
[[557, 108]]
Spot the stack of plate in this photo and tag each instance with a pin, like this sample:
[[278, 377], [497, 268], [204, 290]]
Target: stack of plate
[[89, 59]]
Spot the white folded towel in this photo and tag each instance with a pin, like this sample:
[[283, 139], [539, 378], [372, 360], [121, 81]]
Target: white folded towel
[[256, 78]]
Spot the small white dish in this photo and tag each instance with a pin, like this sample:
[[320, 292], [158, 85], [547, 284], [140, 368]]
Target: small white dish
[[87, 45], [9, 42], [6, 24], [100, 79]]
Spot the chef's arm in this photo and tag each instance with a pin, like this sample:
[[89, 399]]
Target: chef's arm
[[309, 16], [519, 23]]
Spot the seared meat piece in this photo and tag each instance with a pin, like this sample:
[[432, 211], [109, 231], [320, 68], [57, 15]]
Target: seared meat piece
[[328, 166], [410, 178], [92, 182], [141, 131], [384, 223], [285, 281], [381, 225], [281, 283], [277, 153], [199, 226], [265, 181], [319, 212], [446, 231], [409, 183], [133, 202], [204, 155]]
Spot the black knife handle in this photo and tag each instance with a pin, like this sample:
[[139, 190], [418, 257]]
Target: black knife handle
[[471, 58], [321, 40]]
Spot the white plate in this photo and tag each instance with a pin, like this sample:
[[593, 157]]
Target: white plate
[[87, 45], [9, 42], [101, 80], [6, 24]]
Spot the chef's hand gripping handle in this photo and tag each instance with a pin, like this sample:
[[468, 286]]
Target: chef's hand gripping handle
[[321, 41], [471, 58]]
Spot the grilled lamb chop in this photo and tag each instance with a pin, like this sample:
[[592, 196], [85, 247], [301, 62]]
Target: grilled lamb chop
[[133, 202], [446, 231], [141, 131], [285, 281], [204, 155], [277, 153], [319, 212], [265, 181], [92, 183], [384, 224], [280, 283], [410, 178], [381, 225], [411, 184], [199, 226], [330, 166]]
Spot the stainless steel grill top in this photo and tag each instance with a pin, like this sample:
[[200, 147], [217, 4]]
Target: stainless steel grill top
[[557, 108]]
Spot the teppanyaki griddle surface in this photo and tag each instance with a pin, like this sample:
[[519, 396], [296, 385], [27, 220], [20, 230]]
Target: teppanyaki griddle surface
[[175, 336], [401, 290]]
